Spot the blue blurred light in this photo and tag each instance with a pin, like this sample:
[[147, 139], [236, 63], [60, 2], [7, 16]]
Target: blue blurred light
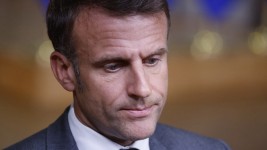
[[171, 4], [44, 4], [217, 10]]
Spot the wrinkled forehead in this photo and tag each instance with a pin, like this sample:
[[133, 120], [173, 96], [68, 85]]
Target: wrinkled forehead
[[92, 24], [91, 18]]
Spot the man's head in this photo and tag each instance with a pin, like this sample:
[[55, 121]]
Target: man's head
[[61, 15], [112, 55]]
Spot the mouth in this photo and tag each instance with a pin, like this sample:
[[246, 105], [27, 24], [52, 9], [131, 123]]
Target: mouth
[[139, 112]]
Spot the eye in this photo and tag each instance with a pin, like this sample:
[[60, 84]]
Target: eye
[[152, 61], [112, 67]]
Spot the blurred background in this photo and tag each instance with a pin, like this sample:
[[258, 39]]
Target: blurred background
[[217, 64]]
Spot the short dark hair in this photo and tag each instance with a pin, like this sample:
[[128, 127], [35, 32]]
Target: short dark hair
[[61, 15]]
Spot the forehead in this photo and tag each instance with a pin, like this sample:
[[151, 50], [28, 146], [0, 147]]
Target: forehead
[[97, 33], [99, 20]]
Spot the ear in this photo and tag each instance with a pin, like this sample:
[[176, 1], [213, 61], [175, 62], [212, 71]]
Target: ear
[[63, 71]]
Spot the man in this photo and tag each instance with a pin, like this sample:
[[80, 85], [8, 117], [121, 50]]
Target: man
[[112, 55]]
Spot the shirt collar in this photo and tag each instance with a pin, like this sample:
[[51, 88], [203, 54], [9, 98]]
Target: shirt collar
[[87, 138]]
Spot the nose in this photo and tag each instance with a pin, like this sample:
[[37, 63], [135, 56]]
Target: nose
[[138, 85]]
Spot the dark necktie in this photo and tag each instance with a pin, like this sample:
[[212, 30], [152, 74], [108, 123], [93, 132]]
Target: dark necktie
[[129, 149]]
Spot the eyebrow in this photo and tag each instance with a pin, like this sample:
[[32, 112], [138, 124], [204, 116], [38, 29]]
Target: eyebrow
[[159, 51], [109, 59], [118, 59]]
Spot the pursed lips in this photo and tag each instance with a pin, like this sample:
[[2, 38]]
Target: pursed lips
[[139, 112]]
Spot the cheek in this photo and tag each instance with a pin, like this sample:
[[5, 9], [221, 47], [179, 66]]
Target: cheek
[[99, 100], [160, 80], [106, 90]]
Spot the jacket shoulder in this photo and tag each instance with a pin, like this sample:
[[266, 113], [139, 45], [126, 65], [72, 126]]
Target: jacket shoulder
[[36, 141], [173, 138], [56, 136]]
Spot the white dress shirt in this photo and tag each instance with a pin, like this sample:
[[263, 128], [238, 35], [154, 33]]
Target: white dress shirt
[[88, 139]]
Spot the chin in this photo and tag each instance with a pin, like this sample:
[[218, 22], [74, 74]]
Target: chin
[[140, 130], [139, 135]]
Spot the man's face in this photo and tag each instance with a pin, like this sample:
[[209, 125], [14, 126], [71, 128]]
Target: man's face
[[123, 70]]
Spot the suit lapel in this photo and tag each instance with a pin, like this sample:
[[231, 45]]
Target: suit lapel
[[59, 135], [156, 144]]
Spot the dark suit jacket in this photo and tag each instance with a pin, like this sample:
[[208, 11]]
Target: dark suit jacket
[[59, 137]]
